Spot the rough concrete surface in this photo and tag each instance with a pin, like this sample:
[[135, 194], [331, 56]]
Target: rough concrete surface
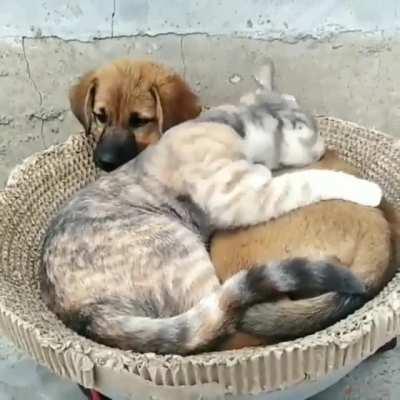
[[22, 379], [377, 378], [287, 20], [348, 75]]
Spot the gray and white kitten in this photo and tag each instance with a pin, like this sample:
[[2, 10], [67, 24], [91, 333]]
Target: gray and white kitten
[[274, 130]]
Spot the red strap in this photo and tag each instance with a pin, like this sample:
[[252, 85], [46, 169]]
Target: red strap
[[95, 395]]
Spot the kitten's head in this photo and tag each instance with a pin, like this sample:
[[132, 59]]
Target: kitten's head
[[297, 140]]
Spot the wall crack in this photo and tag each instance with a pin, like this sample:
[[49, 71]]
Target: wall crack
[[45, 116], [42, 134], [113, 17], [28, 71], [36, 88], [183, 59]]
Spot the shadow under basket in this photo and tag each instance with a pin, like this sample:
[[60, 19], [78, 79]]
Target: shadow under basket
[[38, 187]]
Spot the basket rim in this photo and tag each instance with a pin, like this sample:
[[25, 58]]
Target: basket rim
[[375, 323]]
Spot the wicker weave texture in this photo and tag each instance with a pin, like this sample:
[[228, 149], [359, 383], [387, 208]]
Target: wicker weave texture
[[42, 183]]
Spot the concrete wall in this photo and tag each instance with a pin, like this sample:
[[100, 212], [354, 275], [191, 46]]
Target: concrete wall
[[268, 19], [340, 57]]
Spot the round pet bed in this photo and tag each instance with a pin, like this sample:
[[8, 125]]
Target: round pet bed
[[43, 182]]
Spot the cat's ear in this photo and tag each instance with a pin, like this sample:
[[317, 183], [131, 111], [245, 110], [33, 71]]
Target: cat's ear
[[265, 79], [291, 100], [265, 76]]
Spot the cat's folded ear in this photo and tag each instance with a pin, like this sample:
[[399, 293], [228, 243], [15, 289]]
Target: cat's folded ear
[[291, 100], [265, 79], [265, 76]]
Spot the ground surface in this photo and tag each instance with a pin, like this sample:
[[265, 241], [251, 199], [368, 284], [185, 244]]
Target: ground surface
[[21, 379]]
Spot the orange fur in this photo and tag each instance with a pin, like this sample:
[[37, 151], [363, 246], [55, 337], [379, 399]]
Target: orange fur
[[364, 239], [125, 87]]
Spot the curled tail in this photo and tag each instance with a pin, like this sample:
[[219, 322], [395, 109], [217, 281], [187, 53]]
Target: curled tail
[[115, 322], [285, 320]]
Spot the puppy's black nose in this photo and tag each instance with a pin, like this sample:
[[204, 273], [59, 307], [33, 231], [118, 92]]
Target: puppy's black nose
[[115, 150], [106, 165]]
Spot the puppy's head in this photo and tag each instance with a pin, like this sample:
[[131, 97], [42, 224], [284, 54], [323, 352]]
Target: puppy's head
[[128, 105]]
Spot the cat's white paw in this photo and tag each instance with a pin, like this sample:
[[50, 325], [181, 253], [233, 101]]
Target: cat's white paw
[[260, 176], [367, 193]]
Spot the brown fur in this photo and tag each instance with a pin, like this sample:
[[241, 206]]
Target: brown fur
[[124, 91], [364, 239]]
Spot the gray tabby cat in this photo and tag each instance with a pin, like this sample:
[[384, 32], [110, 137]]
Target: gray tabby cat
[[125, 261]]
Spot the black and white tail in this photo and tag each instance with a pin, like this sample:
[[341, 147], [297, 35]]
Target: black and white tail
[[201, 327], [286, 320]]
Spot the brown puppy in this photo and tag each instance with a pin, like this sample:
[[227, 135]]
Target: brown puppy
[[128, 104], [364, 239]]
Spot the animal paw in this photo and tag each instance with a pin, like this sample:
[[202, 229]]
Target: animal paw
[[367, 193], [260, 176]]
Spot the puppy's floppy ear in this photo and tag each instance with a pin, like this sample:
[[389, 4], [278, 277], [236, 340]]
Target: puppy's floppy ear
[[159, 110], [81, 98], [176, 102]]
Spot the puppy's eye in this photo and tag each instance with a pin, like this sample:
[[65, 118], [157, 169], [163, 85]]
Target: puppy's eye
[[101, 116], [135, 121]]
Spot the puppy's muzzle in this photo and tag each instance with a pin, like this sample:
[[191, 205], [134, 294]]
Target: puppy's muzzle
[[115, 148]]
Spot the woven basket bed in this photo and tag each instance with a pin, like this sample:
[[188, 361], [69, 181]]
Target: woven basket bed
[[44, 181]]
